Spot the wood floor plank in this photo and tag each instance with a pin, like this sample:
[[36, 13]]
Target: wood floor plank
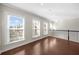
[[47, 46]]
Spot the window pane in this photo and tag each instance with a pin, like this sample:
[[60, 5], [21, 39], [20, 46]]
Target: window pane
[[15, 22], [50, 25], [36, 28], [16, 28], [38, 32], [35, 32], [45, 28], [15, 34]]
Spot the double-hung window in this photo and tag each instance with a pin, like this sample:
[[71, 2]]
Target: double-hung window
[[45, 28], [51, 26], [15, 28], [35, 28]]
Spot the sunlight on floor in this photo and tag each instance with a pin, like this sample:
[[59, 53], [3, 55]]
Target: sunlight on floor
[[45, 45], [52, 43], [37, 48]]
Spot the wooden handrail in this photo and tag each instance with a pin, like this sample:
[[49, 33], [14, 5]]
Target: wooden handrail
[[68, 30]]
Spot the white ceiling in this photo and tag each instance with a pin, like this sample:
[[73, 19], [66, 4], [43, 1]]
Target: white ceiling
[[51, 11]]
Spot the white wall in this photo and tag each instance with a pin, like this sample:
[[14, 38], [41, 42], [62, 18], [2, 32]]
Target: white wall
[[0, 28], [65, 24], [28, 26]]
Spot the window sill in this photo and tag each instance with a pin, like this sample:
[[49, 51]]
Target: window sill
[[45, 34], [35, 36]]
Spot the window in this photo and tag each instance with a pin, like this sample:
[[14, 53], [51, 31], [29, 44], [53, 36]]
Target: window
[[36, 28], [51, 26], [45, 28], [15, 28], [54, 27]]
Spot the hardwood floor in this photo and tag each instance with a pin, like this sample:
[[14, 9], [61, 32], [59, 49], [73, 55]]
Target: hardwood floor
[[47, 46]]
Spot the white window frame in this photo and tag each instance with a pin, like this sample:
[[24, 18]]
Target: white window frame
[[35, 28], [45, 28], [8, 18]]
